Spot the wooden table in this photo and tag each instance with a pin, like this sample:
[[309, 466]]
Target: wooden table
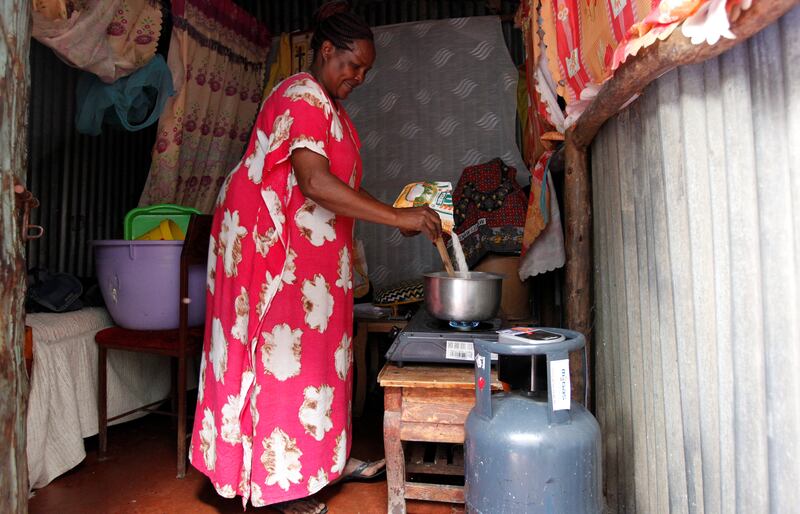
[[424, 403], [364, 327]]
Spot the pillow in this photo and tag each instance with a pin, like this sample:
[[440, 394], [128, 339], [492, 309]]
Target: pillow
[[399, 294]]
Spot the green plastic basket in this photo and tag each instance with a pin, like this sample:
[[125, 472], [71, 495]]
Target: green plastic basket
[[142, 220]]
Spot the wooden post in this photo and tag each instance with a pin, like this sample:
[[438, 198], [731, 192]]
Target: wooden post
[[578, 272], [629, 80], [15, 30]]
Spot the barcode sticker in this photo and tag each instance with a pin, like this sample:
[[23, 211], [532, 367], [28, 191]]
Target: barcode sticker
[[559, 384], [460, 350]]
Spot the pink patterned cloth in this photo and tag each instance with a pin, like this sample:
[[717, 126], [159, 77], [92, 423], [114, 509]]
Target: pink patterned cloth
[[217, 56], [273, 412], [110, 38]]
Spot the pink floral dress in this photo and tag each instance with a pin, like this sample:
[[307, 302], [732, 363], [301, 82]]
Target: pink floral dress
[[273, 412]]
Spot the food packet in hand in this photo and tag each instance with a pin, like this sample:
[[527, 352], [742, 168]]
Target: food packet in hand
[[437, 195]]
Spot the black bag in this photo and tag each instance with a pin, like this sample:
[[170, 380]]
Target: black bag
[[53, 292]]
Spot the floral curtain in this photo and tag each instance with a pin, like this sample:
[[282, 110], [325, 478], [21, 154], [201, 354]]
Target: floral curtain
[[217, 55], [580, 43], [110, 38]]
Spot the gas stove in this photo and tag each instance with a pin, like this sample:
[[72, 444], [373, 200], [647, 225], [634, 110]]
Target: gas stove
[[427, 339]]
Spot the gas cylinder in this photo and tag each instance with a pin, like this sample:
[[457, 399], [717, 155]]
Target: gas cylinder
[[531, 450]]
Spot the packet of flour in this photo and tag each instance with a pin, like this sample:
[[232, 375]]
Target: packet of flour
[[437, 195]]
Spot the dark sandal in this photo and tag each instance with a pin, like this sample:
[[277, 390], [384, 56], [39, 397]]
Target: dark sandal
[[358, 474], [294, 506]]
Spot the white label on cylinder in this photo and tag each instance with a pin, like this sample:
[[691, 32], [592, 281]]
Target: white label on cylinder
[[559, 384]]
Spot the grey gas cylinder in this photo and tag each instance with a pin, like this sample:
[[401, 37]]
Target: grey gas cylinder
[[531, 451]]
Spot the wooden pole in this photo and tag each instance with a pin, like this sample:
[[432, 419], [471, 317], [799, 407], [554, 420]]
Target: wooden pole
[[630, 79], [15, 30]]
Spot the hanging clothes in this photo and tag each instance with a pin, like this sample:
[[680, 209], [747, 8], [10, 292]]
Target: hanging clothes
[[110, 38], [135, 102]]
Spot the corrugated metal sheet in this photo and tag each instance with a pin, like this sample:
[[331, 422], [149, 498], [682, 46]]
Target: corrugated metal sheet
[[289, 16], [85, 184], [697, 255]]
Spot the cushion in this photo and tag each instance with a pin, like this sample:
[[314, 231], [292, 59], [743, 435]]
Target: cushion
[[401, 293]]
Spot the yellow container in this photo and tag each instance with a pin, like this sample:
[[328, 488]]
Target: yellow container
[[167, 230]]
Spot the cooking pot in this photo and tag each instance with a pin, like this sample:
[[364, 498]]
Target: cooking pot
[[467, 296]]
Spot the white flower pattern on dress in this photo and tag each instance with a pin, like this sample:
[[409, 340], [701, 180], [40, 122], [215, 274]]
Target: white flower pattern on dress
[[310, 92], [280, 353], [317, 303], [281, 459], [211, 271], [315, 412], [230, 242], [345, 280], [318, 481], [339, 453], [201, 380], [265, 241], [275, 209], [316, 223], [242, 307], [208, 439], [231, 431], [253, 404], [223, 191], [247, 460], [226, 491], [343, 357], [255, 161], [289, 269], [219, 350], [304, 141]]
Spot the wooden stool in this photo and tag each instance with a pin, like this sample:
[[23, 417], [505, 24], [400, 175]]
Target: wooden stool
[[365, 326], [427, 403]]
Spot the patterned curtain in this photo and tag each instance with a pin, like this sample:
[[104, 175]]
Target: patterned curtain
[[110, 38], [217, 55]]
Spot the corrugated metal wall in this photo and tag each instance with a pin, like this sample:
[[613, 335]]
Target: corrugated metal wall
[[85, 184], [295, 15], [697, 260]]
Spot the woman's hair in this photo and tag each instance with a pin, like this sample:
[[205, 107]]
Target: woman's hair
[[335, 22]]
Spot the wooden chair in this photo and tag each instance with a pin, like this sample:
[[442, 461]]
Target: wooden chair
[[180, 344]]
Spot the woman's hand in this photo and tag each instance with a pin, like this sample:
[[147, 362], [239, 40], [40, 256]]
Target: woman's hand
[[413, 220]]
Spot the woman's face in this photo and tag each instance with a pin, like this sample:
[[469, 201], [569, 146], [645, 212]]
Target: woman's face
[[345, 69]]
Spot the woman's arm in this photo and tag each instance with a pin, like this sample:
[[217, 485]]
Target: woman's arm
[[318, 183]]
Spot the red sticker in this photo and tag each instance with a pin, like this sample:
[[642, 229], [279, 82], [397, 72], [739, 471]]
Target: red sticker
[[481, 383]]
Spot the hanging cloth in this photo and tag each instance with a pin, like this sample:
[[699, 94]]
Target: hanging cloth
[[134, 102], [110, 38]]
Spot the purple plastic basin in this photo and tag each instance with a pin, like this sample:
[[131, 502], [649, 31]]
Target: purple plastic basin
[[140, 282]]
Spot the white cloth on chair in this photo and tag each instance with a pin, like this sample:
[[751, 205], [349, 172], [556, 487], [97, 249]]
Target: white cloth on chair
[[62, 409]]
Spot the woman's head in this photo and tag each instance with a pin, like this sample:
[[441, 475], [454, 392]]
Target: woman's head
[[343, 49]]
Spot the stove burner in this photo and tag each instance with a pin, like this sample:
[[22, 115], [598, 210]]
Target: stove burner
[[464, 325]]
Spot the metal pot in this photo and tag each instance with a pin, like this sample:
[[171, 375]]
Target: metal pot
[[468, 296]]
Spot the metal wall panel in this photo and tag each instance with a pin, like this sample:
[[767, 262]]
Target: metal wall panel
[[85, 184], [697, 284]]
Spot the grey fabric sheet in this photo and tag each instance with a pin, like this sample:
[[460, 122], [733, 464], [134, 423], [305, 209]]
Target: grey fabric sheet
[[441, 96]]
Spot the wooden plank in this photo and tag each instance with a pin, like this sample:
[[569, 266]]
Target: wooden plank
[[15, 27], [431, 376], [435, 492], [395, 463], [448, 406], [433, 432], [392, 398]]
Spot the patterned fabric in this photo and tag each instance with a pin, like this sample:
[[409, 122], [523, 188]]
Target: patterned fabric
[[400, 294], [489, 210], [587, 41], [441, 96], [110, 38], [218, 58], [273, 409]]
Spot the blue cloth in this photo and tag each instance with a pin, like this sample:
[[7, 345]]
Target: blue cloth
[[135, 102]]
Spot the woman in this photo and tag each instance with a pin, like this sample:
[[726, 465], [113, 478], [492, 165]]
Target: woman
[[273, 414]]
